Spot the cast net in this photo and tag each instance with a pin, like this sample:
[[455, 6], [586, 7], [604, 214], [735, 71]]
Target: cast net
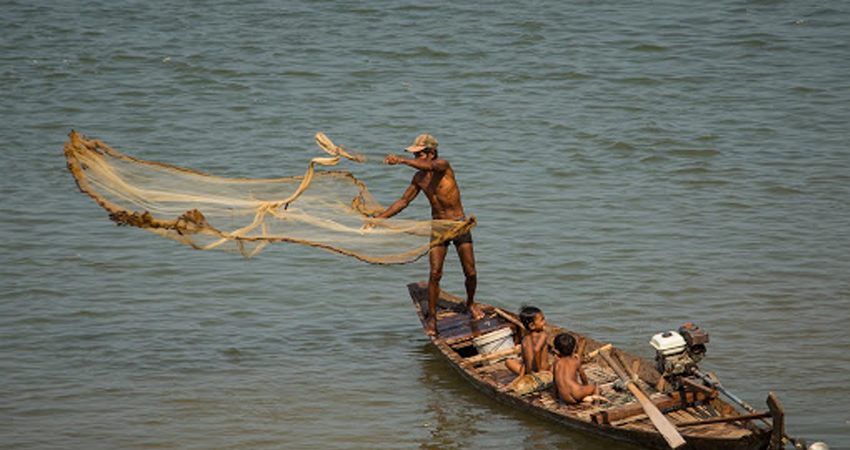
[[326, 209]]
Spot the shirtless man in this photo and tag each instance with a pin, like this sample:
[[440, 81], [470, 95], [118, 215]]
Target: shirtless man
[[436, 178]]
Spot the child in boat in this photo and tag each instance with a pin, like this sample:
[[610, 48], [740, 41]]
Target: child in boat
[[535, 354], [565, 385]]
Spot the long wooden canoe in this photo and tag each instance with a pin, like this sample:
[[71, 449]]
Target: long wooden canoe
[[699, 414]]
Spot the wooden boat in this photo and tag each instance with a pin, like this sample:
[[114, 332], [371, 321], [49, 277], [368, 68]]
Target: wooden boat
[[695, 410]]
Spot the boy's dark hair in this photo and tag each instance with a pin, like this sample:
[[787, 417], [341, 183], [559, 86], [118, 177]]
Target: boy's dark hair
[[527, 315], [565, 343]]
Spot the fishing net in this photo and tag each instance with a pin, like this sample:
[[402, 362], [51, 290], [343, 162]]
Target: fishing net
[[325, 209]]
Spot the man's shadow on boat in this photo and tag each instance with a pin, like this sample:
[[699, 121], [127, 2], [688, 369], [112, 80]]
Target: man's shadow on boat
[[461, 417]]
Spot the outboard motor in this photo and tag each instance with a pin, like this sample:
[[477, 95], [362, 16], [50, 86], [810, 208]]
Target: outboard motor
[[678, 353]]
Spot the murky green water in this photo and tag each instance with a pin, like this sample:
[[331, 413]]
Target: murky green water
[[632, 167]]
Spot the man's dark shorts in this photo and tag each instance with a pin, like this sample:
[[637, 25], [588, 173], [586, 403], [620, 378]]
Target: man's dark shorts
[[462, 239]]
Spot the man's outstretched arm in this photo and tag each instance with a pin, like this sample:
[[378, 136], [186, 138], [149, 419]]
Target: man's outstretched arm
[[437, 165]]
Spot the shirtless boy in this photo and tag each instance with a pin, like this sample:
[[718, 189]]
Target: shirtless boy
[[565, 385], [535, 354], [436, 178]]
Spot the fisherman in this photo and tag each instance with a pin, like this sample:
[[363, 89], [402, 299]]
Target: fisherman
[[436, 178]]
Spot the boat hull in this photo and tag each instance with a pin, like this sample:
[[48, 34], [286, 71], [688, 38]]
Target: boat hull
[[457, 332]]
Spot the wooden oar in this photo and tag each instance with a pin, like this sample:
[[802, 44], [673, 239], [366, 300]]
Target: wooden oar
[[509, 318], [758, 415], [667, 429], [629, 369], [593, 354]]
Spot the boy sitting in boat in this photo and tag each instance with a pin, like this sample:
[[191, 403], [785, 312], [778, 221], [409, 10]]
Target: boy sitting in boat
[[534, 351], [565, 386]]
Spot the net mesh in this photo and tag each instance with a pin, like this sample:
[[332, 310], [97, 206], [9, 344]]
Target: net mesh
[[325, 209]]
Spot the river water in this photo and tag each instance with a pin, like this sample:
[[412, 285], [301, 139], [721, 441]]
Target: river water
[[632, 166]]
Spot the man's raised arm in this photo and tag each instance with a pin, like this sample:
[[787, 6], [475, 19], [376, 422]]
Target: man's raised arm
[[436, 165]]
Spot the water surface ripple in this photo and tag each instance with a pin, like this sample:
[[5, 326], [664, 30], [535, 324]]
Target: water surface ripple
[[632, 166]]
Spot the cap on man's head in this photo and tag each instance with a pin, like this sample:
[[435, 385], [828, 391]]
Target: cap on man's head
[[422, 142]]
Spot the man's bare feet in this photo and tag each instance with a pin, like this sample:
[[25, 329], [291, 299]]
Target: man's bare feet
[[476, 312], [431, 326]]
